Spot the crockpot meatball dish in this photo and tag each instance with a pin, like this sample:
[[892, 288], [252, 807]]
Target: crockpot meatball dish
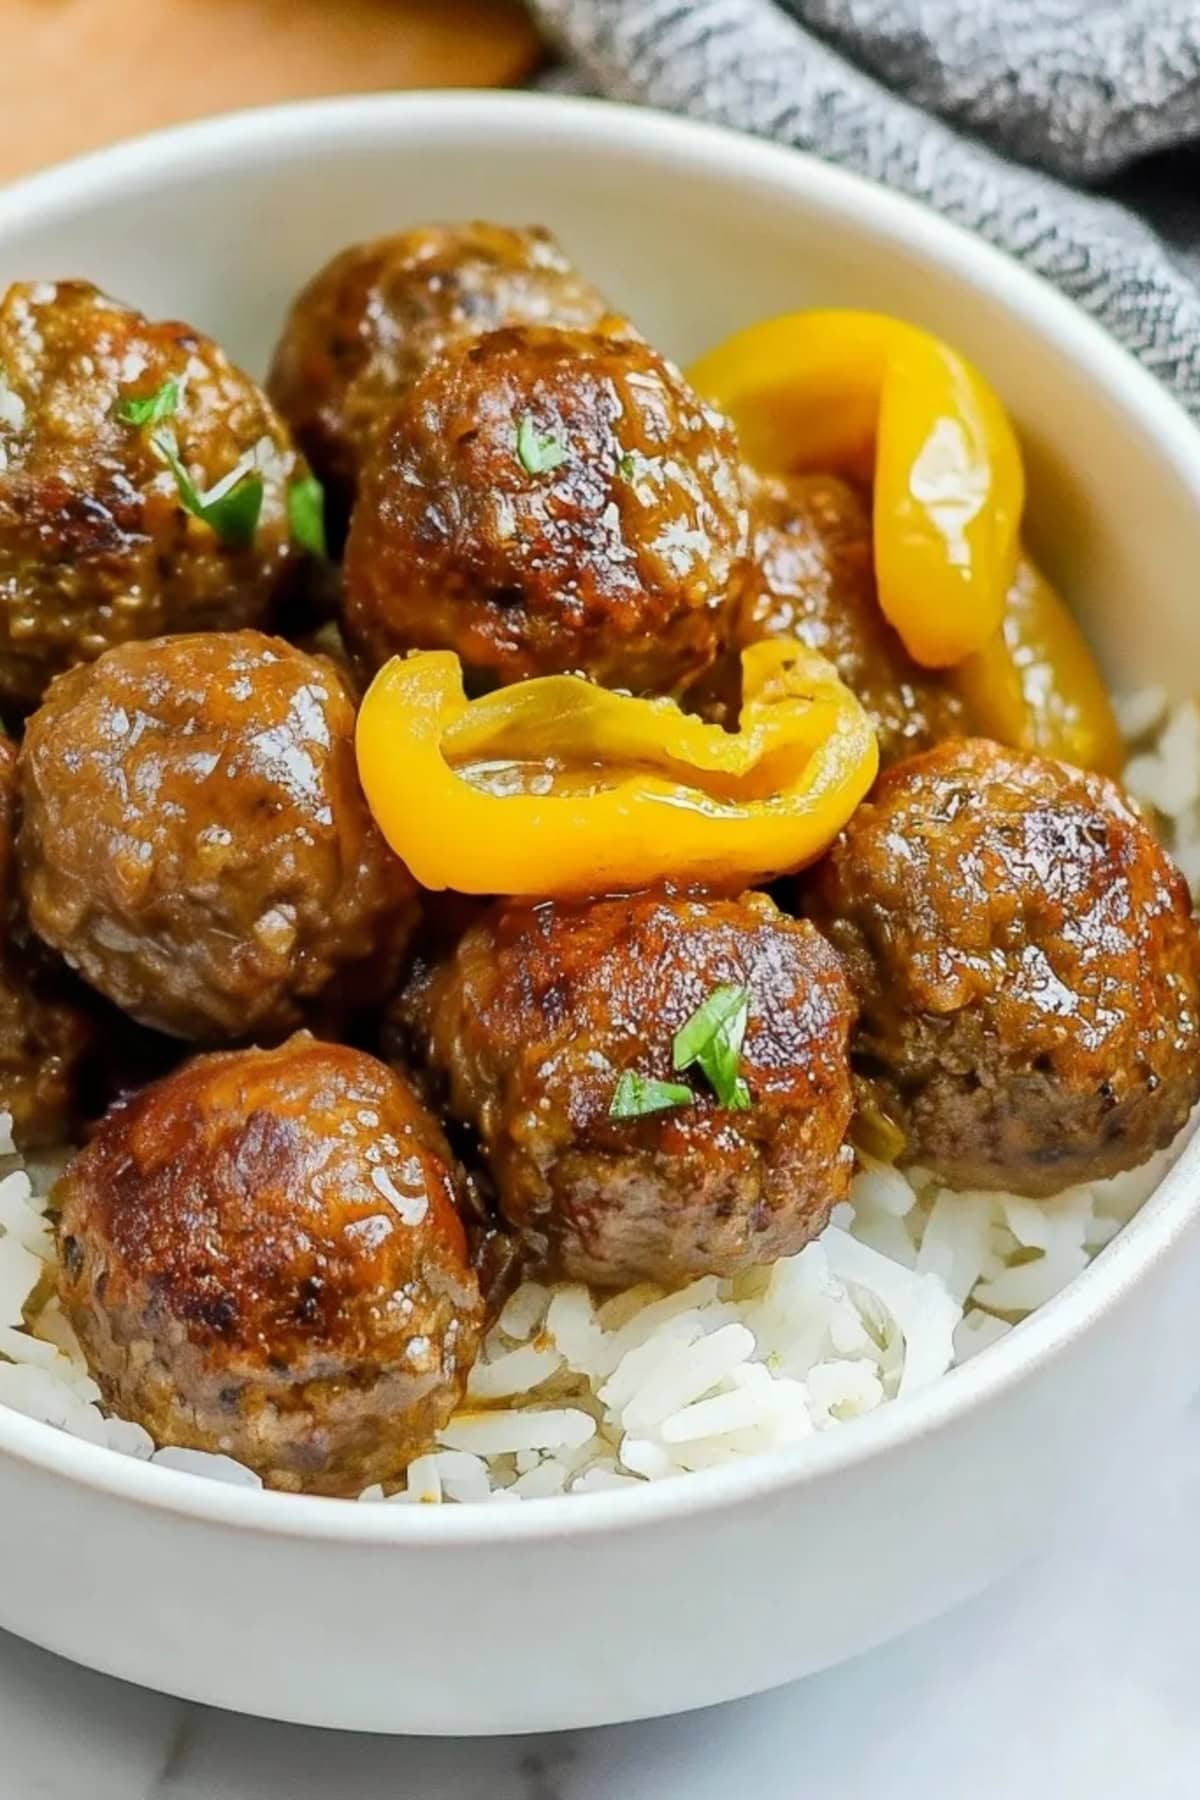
[[670, 965]]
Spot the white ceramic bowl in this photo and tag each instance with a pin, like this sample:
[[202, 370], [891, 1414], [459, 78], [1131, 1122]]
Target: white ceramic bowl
[[579, 1611]]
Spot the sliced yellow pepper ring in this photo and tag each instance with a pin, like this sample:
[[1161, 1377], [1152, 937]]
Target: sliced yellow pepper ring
[[558, 787], [869, 396], [1036, 685]]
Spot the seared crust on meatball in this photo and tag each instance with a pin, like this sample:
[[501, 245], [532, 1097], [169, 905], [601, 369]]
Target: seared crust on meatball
[[195, 841], [262, 1256], [542, 1009], [96, 546], [379, 313], [545, 501], [814, 579], [1026, 963]]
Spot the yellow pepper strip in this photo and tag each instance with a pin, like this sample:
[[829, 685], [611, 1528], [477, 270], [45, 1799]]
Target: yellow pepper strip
[[868, 395], [558, 787], [1036, 685]]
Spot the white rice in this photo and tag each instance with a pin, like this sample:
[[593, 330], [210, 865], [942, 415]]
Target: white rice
[[577, 1393], [1163, 772]]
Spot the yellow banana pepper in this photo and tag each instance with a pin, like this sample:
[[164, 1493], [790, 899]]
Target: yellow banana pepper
[[1036, 685], [870, 396], [556, 787]]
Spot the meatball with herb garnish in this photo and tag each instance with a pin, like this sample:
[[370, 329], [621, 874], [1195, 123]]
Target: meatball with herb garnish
[[378, 314], [194, 839], [659, 1086], [262, 1256], [146, 485], [545, 501], [1027, 967]]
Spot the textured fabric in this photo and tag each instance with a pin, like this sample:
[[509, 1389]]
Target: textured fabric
[[1001, 114]]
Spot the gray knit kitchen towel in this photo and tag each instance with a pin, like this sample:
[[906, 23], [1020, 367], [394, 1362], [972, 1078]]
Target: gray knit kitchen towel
[[1065, 131]]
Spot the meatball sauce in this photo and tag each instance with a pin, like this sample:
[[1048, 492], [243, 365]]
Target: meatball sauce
[[45, 1034], [814, 579]]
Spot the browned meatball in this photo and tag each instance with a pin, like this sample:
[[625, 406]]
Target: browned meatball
[[44, 1033], [262, 1255], [542, 1010], [379, 313], [545, 501], [814, 579], [45, 1038], [1026, 964], [96, 544], [195, 842]]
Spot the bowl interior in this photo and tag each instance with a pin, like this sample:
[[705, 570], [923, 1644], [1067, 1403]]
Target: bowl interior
[[694, 233]]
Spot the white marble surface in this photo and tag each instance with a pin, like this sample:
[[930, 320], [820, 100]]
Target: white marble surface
[[1077, 1680]]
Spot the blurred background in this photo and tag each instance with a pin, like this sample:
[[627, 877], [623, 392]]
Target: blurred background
[[91, 71]]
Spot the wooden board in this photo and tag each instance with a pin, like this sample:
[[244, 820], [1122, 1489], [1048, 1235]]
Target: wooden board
[[78, 73]]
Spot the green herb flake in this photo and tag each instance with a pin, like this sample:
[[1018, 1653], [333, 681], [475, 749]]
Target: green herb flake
[[538, 452], [234, 514], [306, 515], [150, 409], [231, 507], [637, 1095], [635, 467], [711, 1041]]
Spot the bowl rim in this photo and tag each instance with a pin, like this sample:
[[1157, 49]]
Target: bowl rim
[[606, 127]]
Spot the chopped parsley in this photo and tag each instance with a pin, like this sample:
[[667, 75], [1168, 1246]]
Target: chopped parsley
[[636, 1095], [538, 452], [149, 409], [306, 515], [231, 507], [711, 1041]]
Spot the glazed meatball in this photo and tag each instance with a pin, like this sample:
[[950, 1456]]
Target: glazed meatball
[[194, 840], [544, 501], [262, 1256], [1026, 964], [46, 1037], [96, 543], [379, 313], [531, 1026], [45, 1034], [814, 580]]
